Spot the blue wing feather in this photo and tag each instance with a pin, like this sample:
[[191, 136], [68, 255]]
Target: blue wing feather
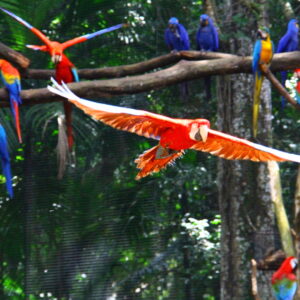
[[5, 161], [256, 56], [75, 74]]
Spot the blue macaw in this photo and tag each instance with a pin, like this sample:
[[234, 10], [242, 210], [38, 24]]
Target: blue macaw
[[262, 54], [289, 42], [176, 36], [207, 40], [5, 161], [207, 35], [177, 39]]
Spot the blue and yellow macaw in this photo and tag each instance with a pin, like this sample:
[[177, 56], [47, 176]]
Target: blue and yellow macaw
[[262, 54], [11, 79], [288, 43], [5, 161]]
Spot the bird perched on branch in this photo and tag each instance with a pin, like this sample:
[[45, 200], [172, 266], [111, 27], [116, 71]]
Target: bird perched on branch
[[65, 69], [11, 79], [207, 40], [5, 161], [289, 42], [177, 39], [176, 36], [262, 54], [207, 37], [174, 135], [284, 281]]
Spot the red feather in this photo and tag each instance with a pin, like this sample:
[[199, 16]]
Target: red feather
[[174, 135]]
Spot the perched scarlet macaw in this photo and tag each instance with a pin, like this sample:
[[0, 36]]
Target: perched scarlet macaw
[[284, 281], [262, 54], [65, 70], [297, 74], [5, 161], [11, 79], [174, 135]]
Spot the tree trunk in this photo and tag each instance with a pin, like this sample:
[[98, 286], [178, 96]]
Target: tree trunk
[[244, 191]]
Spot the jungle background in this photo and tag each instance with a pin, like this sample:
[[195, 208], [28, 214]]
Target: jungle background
[[188, 232]]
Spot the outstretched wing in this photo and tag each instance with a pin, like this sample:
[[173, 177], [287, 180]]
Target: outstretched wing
[[38, 33], [136, 121], [90, 36], [231, 147]]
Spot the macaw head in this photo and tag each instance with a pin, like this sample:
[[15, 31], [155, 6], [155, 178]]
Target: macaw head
[[263, 33], [293, 25], [204, 20], [55, 50], [1, 63], [198, 130], [173, 22]]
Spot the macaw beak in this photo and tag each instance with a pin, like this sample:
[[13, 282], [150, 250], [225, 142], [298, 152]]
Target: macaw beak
[[262, 34], [203, 23], [56, 58], [203, 131]]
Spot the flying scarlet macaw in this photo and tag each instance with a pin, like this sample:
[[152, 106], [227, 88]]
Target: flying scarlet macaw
[[262, 54], [284, 281], [288, 43], [11, 79], [5, 161], [174, 135], [65, 70], [207, 40]]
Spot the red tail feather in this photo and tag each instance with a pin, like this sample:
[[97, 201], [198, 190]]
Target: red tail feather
[[17, 121], [155, 159], [68, 116]]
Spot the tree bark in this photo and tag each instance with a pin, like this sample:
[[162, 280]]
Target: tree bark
[[243, 185], [17, 59], [281, 216]]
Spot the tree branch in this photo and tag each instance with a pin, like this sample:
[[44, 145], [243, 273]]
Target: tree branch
[[279, 87], [17, 59], [133, 69], [182, 71]]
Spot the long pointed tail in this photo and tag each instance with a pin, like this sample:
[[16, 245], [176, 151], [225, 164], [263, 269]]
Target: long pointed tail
[[256, 101], [155, 159], [17, 120], [8, 177], [68, 116]]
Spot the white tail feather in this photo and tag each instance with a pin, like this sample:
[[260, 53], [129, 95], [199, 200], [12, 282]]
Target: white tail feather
[[62, 90]]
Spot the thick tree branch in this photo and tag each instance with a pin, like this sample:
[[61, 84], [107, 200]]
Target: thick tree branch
[[133, 69], [17, 59], [182, 71]]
